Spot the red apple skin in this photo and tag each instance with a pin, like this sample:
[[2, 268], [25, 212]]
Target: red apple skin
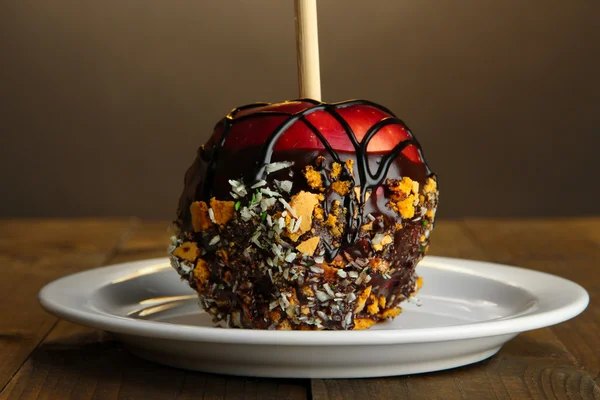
[[241, 156], [253, 126]]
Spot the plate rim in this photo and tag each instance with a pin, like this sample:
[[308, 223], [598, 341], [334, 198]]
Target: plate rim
[[85, 314]]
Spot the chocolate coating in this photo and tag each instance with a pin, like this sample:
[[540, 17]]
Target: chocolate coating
[[242, 287]]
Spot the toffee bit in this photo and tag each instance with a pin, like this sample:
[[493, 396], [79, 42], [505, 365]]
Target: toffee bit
[[353, 274], [323, 316], [235, 196], [290, 257], [269, 221], [319, 259], [341, 273], [214, 240]]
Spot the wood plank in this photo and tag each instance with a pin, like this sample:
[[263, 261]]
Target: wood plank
[[535, 365], [33, 253], [515, 241], [545, 363], [78, 362], [449, 240], [565, 247]]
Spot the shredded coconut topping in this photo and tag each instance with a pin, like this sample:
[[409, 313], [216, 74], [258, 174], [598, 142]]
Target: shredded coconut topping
[[276, 166]]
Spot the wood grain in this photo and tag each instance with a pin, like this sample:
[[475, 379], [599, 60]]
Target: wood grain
[[82, 363], [42, 359], [33, 253], [307, 49], [561, 362], [572, 251]]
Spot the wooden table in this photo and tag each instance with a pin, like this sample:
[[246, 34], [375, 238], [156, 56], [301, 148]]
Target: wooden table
[[43, 357]]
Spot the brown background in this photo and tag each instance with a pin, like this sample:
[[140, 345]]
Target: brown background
[[103, 103]]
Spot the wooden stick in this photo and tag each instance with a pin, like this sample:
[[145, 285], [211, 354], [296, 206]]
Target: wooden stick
[[307, 49]]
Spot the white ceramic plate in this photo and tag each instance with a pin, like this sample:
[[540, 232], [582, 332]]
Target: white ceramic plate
[[468, 311]]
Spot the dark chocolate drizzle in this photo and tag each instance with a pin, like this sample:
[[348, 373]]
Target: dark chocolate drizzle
[[368, 179]]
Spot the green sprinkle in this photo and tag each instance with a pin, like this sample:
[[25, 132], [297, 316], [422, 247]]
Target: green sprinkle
[[263, 217], [309, 263], [253, 199], [237, 205], [422, 249], [425, 222]]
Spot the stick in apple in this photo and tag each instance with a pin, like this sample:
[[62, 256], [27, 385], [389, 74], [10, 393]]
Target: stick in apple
[[307, 49]]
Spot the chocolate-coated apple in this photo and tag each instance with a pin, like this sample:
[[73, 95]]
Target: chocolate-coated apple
[[305, 215]]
